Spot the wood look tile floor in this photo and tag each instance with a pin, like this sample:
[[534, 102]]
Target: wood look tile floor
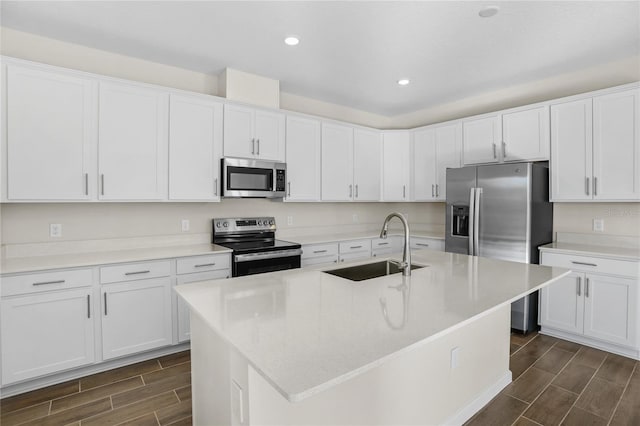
[[554, 382]]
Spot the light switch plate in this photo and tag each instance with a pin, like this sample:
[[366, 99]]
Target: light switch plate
[[598, 225], [289, 220], [185, 225]]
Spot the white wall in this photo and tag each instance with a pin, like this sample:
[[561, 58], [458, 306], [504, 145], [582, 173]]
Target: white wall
[[619, 218]]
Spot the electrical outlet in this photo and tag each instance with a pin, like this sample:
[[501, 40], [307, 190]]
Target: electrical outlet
[[355, 218], [185, 225], [455, 358], [598, 225], [289, 220], [55, 230]]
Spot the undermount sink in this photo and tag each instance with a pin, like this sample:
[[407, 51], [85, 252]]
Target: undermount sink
[[368, 270]]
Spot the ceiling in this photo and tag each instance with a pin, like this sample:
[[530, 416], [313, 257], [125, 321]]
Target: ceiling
[[352, 53]]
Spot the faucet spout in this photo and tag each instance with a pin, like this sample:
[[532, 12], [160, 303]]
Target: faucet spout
[[406, 252]]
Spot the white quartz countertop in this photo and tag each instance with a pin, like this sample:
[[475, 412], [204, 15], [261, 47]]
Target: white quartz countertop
[[305, 330], [346, 236], [41, 263], [612, 252]]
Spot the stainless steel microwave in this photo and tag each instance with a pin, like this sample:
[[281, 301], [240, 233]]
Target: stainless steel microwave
[[244, 177]]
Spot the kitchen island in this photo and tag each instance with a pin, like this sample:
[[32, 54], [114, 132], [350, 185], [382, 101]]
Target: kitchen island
[[307, 347]]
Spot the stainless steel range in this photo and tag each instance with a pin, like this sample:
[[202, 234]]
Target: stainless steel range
[[255, 248]]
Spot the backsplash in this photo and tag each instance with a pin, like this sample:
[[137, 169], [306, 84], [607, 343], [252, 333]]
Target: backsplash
[[618, 218]]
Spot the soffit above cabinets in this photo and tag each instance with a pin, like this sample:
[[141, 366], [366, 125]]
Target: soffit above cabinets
[[353, 53]]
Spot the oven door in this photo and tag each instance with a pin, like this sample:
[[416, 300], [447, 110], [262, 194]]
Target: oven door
[[257, 263], [252, 178]]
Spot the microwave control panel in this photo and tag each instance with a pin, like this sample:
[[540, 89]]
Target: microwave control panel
[[280, 180]]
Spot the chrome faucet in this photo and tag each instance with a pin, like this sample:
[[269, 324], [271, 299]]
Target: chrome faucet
[[405, 265]]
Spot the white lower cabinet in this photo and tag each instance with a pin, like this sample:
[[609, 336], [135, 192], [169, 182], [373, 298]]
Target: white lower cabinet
[[420, 243], [354, 250], [136, 316], [599, 305], [45, 327], [318, 254], [184, 333]]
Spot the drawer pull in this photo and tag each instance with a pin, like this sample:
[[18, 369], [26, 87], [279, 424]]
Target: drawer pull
[[355, 247], [583, 263], [202, 265], [422, 244], [137, 272], [319, 251], [49, 282], [383, 244]]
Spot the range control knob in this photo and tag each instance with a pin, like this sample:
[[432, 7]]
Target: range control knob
[[272, 222], [259, 223], [225, 224], [218, 224]]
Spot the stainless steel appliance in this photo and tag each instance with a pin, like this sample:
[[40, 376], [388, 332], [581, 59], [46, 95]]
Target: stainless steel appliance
[[243, 177], [255, 248], [501, 211]]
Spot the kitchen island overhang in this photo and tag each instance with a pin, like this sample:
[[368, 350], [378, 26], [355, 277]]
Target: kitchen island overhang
[[312, 339]]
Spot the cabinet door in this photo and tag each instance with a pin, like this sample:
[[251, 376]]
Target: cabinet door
[[480, 139], [303, 159], [239, 140], [195, 147], [50, 135], [610, 307], [396, 172], [562, 304], [136, 316], [45, 333], [448, 144], [132, 144], [616, 146], [366, 165], [424, 165], [269, 130], [525, 135], [571, 155], [184, 333], [337, 162]]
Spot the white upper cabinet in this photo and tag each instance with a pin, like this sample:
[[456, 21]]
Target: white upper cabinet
[[132, 142], [396, 172], [303, 159], [595, 148], [195, 148], [525, 134], [616, 146], [435, 149], [366, 165], [337, 162], [51, 127], [252, 133], [481, 137]]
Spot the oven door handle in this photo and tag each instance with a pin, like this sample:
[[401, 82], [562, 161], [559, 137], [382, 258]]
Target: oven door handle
[[268, 255]]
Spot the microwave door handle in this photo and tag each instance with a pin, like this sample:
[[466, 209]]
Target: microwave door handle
[[472, 199]]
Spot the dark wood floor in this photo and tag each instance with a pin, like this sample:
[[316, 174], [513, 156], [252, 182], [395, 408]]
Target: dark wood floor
[[555, 382]]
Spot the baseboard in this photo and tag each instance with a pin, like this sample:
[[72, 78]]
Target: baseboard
[[607, 347], [476, 405]]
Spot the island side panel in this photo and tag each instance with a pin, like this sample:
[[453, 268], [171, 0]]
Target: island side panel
[[416, 387]]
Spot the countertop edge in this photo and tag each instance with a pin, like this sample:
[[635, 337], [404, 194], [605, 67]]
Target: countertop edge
[[593, 250]]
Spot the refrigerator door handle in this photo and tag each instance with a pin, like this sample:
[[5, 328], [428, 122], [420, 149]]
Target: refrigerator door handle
[[472, 199], [476, 219]]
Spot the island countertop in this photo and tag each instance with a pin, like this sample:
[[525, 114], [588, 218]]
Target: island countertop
[[305, 330]]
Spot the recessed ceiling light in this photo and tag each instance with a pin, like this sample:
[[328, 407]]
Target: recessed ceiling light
[[404, 81], [291, 40], [489, 11]]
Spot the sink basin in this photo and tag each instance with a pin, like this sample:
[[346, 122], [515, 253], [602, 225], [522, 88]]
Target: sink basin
[[368, 270]]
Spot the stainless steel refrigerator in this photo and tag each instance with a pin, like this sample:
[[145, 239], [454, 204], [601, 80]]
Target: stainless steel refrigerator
[[501, 211]]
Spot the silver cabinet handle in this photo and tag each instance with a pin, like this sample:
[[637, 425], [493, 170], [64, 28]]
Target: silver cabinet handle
[[258, 144], [586, 185], [494, 151], [86, 184], [215, 186], [356, 190], [88, 306], [253, 146], [437, 190], [586, 287], [595, 186], [202, 265], [49, 282], [137, 272], [433, 189], [350, 191], [504, 149], [102, 184], [578, 285], [341, 260], [355, 247], [383, 244], [105, 303], [404, 191], [289, 186], [319, 251], [422, 244], [583, 263]]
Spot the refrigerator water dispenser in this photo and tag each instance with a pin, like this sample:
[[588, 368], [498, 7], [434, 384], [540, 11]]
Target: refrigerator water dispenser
[[460, 222]]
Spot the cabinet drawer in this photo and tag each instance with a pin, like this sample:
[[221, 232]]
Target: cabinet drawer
[[56, 280], [319, 250], [426, 243], [393, 242], [135, 271], [591, 264], [188, 265], [355, 246]]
